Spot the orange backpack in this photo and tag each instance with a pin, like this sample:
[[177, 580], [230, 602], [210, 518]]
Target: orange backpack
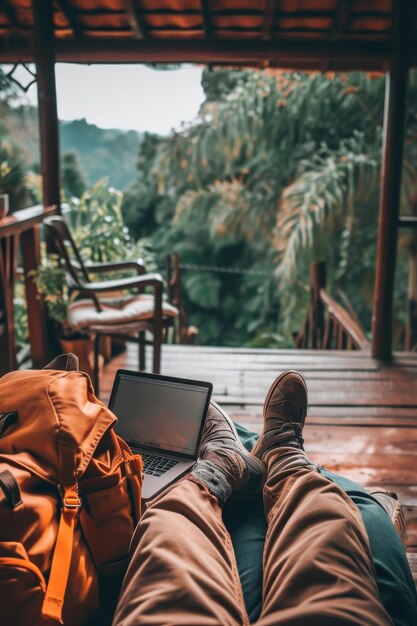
[[69, 499]]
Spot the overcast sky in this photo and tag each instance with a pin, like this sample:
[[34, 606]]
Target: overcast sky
[[127, 96]]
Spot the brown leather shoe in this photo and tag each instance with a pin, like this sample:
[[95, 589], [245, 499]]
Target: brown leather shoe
[[392, 506], [285, 411], [220, 444]]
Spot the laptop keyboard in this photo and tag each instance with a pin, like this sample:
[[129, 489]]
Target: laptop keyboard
[[155, 465]]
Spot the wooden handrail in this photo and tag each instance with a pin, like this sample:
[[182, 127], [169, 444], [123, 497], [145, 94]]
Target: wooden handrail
[[328, 324], [342, 319], [21, 230], [25, 219]]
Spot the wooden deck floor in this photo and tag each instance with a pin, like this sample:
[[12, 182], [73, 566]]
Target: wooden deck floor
[[362, 419]]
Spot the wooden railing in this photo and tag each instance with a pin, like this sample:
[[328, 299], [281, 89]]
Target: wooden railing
[[183, 333], [328, 325], [410, 334], [20, 240]]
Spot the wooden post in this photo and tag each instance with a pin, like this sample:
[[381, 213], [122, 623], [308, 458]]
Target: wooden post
[[40, 345], [411, 327], [8, 266], [392, 153], [22, 230], [44, 50], [317, 282]]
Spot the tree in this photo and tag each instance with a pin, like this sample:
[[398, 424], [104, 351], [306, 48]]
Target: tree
[[73, 181], [13, 172], [219, 83], [141, 201], [279, 168]]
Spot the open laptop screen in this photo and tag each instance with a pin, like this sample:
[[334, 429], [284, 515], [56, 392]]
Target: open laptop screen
[[160, 412]]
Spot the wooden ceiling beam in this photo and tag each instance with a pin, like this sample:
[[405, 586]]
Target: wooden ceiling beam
[[268, 25], [70, 15], [280, 53], [135, 19], [207, 27], [340, 19], [10, 13]]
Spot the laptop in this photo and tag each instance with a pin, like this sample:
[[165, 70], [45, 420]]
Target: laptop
[[162, 418]]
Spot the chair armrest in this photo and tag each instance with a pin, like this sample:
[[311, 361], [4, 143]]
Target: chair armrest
[[115, 266], [146, 280]]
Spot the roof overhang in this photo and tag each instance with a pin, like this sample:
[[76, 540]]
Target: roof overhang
[[314, 55], [302, 34]]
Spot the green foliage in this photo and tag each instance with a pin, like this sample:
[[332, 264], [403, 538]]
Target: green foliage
[[141, 201], [13, 168], [97, 224], [12, 173], [73, 181], [50, 279], [279, 169], [20, 315], [221, 82]]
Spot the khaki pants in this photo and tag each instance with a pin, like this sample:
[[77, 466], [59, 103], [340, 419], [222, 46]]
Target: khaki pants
[[317, 563]]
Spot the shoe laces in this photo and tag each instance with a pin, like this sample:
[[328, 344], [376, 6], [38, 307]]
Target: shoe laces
[[289, 432]]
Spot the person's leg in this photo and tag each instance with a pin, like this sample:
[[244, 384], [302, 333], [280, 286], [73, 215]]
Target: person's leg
[[246, 524], [317, 563], [183, 569], [395, 581]]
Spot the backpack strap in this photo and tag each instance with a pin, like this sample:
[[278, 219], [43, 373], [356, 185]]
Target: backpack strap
[[67, 362], [61, 561], [11, 489]]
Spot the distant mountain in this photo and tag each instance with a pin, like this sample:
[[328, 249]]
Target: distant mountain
[[109, 153], [103, 152]]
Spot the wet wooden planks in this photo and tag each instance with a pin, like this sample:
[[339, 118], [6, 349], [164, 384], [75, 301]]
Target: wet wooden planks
[[362, 419], [240, 373]]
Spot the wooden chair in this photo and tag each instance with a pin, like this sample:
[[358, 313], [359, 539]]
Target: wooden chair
[[128, 317]]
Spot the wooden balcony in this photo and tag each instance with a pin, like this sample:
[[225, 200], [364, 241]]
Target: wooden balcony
[[362, 419]]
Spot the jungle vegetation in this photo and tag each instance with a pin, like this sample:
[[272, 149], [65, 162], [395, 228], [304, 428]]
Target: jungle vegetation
[[279, 169]]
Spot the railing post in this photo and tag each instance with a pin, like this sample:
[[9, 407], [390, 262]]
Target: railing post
[[392, 156], [40, 343], [8, 267], [317, 282], [411, 328]]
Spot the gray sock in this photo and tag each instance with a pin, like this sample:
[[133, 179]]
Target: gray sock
[[215, 480]]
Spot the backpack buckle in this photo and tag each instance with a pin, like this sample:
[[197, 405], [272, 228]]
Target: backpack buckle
[[70, 497], [72, 502]]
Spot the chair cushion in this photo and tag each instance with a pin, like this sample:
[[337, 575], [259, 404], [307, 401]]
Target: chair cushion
[[121, 315]]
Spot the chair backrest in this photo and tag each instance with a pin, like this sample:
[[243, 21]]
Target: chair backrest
[[60, 241]]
